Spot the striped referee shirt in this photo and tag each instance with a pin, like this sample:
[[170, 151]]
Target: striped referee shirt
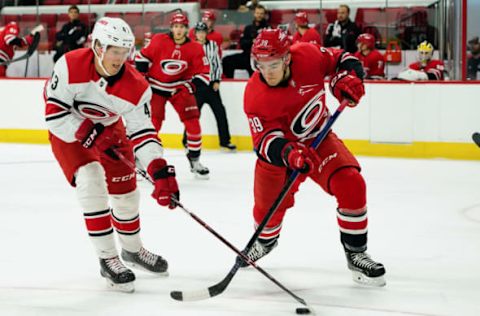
[[213, 55]]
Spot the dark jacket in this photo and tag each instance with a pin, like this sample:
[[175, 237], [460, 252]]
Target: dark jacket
[[72, 36], [249, 34], [349, 33]]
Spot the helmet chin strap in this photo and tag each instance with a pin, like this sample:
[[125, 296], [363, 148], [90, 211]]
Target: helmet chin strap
[[100, 62]]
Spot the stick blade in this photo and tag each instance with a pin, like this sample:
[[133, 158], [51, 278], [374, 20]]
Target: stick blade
[[190, 296]]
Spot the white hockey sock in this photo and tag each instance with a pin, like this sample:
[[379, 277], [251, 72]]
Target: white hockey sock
[[126, 219]]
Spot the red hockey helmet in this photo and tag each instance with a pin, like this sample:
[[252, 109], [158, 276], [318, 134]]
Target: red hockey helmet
[[301, 18], [179, 18], [367, 39], [270, 44], [209, 16]]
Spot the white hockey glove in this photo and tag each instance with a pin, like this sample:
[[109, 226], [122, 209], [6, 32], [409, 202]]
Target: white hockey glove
[[412, 75], [37, 29]]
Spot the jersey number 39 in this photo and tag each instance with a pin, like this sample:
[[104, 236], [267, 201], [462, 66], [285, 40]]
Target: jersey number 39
[[255, 124]]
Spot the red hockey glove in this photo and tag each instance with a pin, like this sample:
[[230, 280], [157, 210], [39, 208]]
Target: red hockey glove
[[344, 85], [300, 157], [166, 186], [98, 135]]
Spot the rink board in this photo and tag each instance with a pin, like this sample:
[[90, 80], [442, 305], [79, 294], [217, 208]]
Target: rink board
[[421, 120]]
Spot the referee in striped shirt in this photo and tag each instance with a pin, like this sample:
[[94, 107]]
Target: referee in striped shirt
[[211, 94]]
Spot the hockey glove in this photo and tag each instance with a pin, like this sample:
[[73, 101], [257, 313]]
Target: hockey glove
[[344, 85], [95, 134], [299, 157], [166, 187]]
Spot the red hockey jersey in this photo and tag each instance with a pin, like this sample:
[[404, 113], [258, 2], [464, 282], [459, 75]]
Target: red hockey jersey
[[435, 69], [76, 92], [174, 66], [296, 109], [310, 36], [373, 64], [9, 40]]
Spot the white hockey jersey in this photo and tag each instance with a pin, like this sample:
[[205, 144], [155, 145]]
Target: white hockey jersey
[[76, 92]]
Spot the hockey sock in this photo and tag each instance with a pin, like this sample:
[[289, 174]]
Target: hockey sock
[[91, 189], [349, 188], [194, 138], [126, 219]]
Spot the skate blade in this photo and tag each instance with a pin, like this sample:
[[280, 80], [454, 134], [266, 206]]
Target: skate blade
[[202, 176], [362, 279], [140, 267], [228, 151], [128, 287]]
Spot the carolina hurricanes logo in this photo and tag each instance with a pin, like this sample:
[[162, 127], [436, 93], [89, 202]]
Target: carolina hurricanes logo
[[173, 66], [93, 111], [309, 116]]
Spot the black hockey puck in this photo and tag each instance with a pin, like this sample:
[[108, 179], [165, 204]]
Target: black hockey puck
[[302, 310]]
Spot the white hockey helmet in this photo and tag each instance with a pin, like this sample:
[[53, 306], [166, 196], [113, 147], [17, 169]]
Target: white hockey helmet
[[112, 32]]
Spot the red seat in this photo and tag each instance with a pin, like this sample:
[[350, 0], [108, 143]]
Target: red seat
[[51, 38], [215, 4], [49, 19], [70, 2], [52, 2], [63, 17], [140, 30], [225, 29], [114, 14], [29, 18], [133, 18], [10, 18]]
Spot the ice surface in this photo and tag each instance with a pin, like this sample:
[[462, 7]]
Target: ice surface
[[424, 220]]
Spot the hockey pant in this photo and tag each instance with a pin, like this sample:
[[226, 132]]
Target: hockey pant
[[338, 175], [187, 109], [98, 178]]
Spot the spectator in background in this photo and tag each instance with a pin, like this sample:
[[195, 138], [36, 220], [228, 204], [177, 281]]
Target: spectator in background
[[343, 32], [211, 94], [9, 41], [209, 18], [242, 60], [305, 33], [72, 35], [425, 68], [246, 6], [372, 60], [473, 60]]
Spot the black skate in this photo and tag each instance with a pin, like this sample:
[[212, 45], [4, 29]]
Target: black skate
[[117, 275], [228, 148], [364, 270], [145, 260], [258, 251], [199, 170]]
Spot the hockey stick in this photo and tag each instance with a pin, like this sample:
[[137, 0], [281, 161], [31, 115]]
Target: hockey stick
[[30, 50], [476, 138], [220, 287], [197, 296]]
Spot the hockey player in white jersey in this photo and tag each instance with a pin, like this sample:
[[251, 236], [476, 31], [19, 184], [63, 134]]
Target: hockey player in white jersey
[[90, 95]]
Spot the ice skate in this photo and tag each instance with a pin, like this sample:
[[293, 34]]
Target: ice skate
[[228, 148], [146, 261], [365, 271], [199, 170], [259, 250], [118, 277]]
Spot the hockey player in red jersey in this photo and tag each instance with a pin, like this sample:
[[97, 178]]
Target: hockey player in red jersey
[[9, 40], [90, 95], [174, 66], [285, 105], [425, 68], [305, 33], [209, 18], [372, 60]]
